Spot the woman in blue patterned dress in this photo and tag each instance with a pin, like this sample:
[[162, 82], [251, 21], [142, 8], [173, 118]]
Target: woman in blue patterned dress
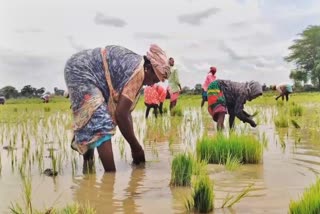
[[104, 85]]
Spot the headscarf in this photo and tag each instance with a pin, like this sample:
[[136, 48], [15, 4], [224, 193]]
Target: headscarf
[[254, 90], [159, 62], [213, 70]]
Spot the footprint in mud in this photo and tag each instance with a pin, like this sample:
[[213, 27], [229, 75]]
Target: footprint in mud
[[50, 173], [9, 148]]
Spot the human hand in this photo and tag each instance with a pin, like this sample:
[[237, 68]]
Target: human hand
[[138, 156], [253, 124]]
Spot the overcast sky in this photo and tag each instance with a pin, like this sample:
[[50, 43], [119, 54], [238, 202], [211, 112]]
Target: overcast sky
[[244, 39]]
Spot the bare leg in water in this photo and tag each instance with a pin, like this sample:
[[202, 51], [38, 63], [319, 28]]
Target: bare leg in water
[[106, 156], [88, 162]]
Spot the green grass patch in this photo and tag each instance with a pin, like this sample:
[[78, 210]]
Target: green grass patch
[[244, 148], [309, 202]]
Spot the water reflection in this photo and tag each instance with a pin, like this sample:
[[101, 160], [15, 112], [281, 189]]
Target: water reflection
[[110, 193]]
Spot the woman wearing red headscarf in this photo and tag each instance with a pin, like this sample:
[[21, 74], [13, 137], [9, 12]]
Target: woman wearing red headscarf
[[211, 76]]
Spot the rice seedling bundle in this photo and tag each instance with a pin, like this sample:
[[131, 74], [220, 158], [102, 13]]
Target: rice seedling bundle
[[309, 202], [245, 148]]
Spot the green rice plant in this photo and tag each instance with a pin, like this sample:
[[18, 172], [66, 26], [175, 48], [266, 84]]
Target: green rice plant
[[202, 194], [296, 110], [229, 201], [47, 109], [232, 163], [199, 168], [264, 140], [27, 189], [181, 170], [165, 110], [54, 164], [309, 202], [281, 122], [295, 124], [76, 208], [16, 208], [245, 148], [0, 165], [177, 111], [280, 103]]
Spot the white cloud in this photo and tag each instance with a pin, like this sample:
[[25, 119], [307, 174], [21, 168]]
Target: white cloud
[[101, 19], [244, 39]]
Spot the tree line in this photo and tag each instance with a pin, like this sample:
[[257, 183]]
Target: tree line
[[27, 91]]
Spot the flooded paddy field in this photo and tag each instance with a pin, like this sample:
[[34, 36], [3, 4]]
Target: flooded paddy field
[[36, 137]]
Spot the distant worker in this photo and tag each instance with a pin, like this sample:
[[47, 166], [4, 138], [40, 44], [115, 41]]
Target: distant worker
[[174, 84], [2, 100], [45, 98], [211, 76], [151, 99], [225, 96], [284, 89]]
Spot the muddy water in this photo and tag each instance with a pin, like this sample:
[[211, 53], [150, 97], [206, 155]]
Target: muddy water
[[290, 163]]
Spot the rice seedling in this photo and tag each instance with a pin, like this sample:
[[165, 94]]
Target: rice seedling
[[0, 165], [229, 201], [76, 208], [280, 103], [165, 110], [281, 122], [264, 140], [295, 124], [232, 163], [309, 202], [202, 195], [199, 168], [296, 110], [54, 164], [177, 111], [27, 189], [47, 109], [245, 148], [122, 148], [181, 170]]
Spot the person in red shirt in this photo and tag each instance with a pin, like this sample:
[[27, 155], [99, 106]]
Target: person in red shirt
[[151, 99]]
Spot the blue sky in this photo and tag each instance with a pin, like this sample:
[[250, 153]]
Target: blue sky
[[245, 40]]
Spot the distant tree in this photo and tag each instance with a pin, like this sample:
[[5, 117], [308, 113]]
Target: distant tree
[[198, 88], [305, 53], [40, 91], [264, 87], [28, 91], [9, 92], [58, 92], [185, 90]]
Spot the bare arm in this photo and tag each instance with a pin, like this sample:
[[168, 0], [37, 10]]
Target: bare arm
[[241, 114], [124, 121]]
